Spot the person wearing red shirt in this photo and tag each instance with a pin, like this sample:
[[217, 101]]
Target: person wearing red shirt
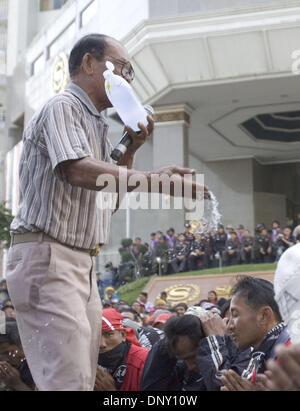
[[212, 297], [121, 358]]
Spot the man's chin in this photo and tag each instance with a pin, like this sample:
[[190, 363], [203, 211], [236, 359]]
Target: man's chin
[[237, 342]]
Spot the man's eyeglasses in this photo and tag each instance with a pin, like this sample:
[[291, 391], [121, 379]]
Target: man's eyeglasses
[[126, 68]]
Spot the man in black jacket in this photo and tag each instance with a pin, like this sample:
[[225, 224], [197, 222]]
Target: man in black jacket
[[192, 355], [255, 321], [219, 244], [198, 253], [231, 254], [262, 247], [180, 255], [246, 249], [160, 255]]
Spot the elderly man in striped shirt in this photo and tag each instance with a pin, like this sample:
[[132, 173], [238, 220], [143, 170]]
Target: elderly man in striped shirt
[[59, 228]]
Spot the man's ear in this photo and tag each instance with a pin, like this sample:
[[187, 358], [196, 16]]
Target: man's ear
[[265, 316], [124, 335], [87, 64]]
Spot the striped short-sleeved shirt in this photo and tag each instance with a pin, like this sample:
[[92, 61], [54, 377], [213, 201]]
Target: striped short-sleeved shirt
[[68, 127]]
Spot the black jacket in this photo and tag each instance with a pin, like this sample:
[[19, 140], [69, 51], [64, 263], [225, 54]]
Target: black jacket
[[198, 245], [181, 249], [219, 242], [162, 372], [257, 365], [261, 242]]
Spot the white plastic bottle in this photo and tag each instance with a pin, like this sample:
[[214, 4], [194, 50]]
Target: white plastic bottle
[[123, 98]]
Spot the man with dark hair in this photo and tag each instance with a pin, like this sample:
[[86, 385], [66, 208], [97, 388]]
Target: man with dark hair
[[180, 309], [231, 254], [129, 313], [62, 221], [284, 241], [14, 371], [94, 44], [146, 336], [198, 253], [246, 250], [171, 237], [256, 322], [160, 256], [262, 247], [143, 300], [192, 355], [218, 244], [178, 261]]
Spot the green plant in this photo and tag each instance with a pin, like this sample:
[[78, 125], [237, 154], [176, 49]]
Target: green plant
[[6, 218], [142, 249], [126, 256], [130, 292], [126, 242]]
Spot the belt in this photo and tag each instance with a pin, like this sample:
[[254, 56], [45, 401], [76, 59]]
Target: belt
[[41, 237]]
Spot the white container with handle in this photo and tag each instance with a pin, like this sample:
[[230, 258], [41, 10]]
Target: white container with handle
[[124, 100]]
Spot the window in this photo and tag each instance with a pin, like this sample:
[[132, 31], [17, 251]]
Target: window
[[37, 65], [62, 41], [46, 5], [57, 4], [88, 13]]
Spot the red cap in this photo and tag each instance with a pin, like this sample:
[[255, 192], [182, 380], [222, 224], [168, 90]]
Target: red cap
[[162, 318], [112, 320]]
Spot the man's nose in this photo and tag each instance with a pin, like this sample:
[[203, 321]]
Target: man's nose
[[230, 325], [103, 344]]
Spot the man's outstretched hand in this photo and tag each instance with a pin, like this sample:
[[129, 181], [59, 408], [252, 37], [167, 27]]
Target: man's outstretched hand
[[182, 175]]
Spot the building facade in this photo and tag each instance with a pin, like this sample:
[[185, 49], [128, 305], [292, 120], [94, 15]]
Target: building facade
[[222, 75]]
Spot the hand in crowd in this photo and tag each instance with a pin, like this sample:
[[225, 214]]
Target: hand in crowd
[[213, 324], [11, 378], [234, 382], [104, 381], [283, 374]]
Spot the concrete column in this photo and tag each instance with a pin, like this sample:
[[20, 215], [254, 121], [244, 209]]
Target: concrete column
[[170, 139], [169, 146], [232, 183]]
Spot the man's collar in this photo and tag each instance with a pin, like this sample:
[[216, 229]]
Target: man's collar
[[84, 98]]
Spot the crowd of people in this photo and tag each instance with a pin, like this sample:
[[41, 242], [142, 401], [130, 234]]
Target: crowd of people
[[216, 345], [193, 250]]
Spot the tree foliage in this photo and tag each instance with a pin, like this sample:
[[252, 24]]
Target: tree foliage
[[6, 218]]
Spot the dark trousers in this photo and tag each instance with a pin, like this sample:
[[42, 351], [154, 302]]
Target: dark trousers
[[263, 258], [194, 261], [179, 266], [246, 256], [230, 259]]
